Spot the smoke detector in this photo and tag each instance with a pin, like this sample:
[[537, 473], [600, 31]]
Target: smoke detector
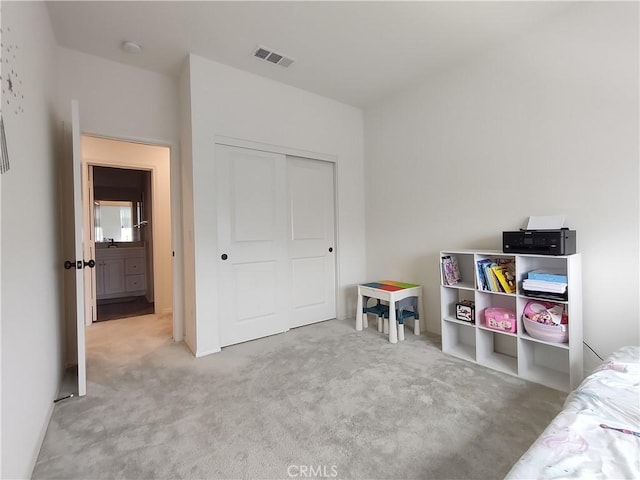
[[268, 55]]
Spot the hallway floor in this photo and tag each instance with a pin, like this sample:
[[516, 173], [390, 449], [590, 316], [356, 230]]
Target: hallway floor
[[129, 307]]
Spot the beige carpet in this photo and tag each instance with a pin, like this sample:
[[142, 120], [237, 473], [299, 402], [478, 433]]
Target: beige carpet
[[322, 401]]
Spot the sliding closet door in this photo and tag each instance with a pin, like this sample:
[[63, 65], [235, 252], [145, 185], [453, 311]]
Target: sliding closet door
[[311, 241], [252, 255]]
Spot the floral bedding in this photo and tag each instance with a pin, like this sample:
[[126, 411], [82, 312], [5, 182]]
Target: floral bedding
[[597, 434]]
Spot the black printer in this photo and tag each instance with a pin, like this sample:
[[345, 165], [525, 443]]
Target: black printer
[[560, 241]]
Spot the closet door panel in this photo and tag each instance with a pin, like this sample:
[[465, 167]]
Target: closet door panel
[[311, 240], [252, 246]]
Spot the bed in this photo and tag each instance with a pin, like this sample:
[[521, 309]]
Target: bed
[[597, 433]]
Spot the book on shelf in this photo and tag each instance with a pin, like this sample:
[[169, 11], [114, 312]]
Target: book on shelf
[[486, 278], [496, 275], [548, 276], [450, 270], [482, 280], [544, 286], [506, 278], [492, 281]]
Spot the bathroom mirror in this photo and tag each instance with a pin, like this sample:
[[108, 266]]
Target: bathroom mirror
[[117, 221], [119, 212]]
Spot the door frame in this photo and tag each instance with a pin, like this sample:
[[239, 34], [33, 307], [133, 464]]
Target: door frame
[[175, 212], [88, 188]]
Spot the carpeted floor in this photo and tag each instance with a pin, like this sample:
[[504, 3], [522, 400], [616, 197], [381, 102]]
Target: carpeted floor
[[322, 401]]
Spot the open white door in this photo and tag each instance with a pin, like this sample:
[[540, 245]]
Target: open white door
[[79, 258], [75, 320], [90, 304]]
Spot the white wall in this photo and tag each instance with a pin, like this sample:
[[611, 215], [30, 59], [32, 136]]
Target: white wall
[[117, 100], [228, 102], [548, 123], [128, 103], [32, 327]]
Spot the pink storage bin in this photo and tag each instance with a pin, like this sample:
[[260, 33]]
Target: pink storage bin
[[498, 318]]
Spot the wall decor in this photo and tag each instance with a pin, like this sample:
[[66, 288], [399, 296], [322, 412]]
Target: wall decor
[[12, 96], [4, 164]]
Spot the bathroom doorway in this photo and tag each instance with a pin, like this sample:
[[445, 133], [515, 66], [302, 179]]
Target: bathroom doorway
[[122, 221], [127, 229]]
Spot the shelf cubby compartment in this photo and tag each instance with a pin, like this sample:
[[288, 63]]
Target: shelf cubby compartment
[[552, 264], [459, 339], [466, 266], [494, 257], [497, 350], [449, 296], [544, 363], [486, 300], [522, 302]]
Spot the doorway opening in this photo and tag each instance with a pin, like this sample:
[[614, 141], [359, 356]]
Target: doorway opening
[[127, 229], [122, 217]]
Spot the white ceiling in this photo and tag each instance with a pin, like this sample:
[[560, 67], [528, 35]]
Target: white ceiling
[[354, 52]]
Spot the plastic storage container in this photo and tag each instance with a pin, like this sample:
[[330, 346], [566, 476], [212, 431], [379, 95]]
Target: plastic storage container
[[498, 318]]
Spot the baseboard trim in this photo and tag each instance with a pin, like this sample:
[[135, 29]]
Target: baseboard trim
[[208, 352], [43, 432]]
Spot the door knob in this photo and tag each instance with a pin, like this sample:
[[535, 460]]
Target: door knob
[[224, 256], [80, 264], [330, 249]]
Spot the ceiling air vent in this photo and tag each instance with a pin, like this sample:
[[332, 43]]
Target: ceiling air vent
[[269, 55]]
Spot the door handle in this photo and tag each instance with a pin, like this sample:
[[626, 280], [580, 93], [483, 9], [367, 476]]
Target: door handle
[[330, 249], [79, 264], [224, 256]]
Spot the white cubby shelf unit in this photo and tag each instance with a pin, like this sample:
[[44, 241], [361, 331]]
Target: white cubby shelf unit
[[556, 365]]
